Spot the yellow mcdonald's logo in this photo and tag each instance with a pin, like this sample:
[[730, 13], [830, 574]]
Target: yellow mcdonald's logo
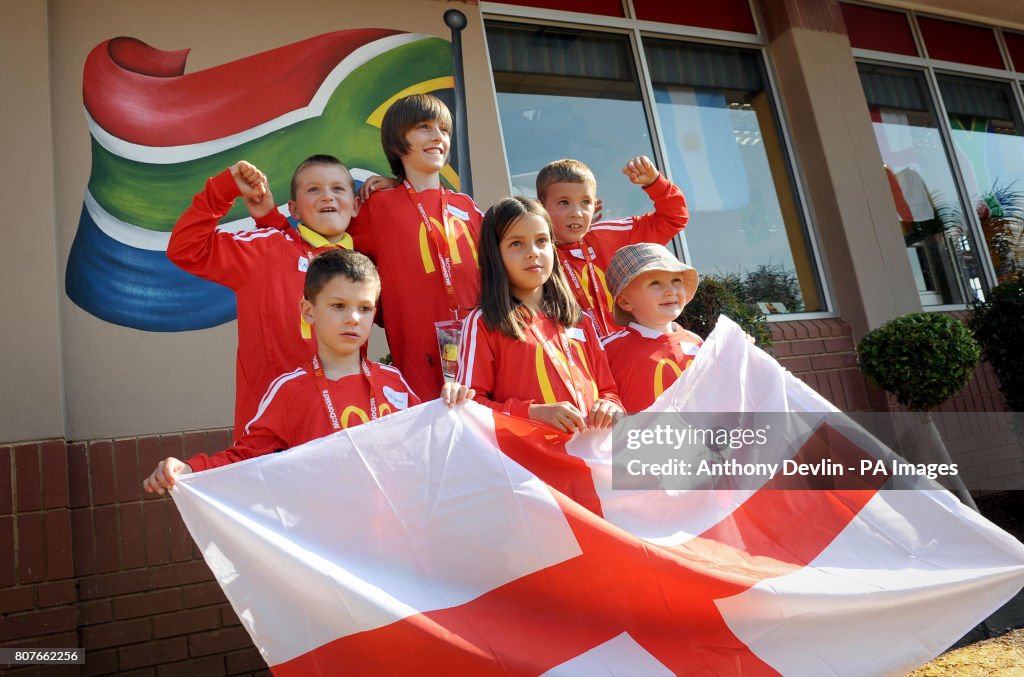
[[542, 370], [457, 225], [603, 285], [350, 411], [384, 409], [659, 375]]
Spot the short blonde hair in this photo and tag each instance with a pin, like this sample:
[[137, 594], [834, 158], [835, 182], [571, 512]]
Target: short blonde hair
[[563, 171]]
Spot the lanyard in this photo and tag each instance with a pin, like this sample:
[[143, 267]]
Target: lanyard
[[567, 370], [321, 383], [441, 243], [592, 308]]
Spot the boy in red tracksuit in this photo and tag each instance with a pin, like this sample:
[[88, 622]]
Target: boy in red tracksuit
[[567, 189], [266, 266], [650, 287], [335, 389]]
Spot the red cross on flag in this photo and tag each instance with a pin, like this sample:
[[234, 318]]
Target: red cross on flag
[[467, 542]]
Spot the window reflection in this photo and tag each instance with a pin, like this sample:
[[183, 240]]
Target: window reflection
[[990, 151], [928, 205], [724, 152]]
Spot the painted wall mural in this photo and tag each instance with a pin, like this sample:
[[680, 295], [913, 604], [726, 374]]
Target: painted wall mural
[[158, 133]]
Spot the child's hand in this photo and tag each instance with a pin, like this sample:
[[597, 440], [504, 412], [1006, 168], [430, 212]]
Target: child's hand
[[375, 183], [456, 393], [560, 415], [641, 171], [166, 474], [255, 189], [604, 414]]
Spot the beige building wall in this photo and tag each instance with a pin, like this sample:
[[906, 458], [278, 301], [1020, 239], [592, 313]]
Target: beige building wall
[[120, 381], [31, 400]]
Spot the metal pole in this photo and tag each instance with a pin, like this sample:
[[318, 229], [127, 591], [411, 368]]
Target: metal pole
[[456, 21]]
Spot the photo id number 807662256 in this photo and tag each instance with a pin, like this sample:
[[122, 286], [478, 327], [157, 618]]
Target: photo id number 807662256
[[17, 656]]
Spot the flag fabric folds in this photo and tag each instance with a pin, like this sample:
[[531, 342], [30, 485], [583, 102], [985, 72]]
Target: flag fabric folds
[[158, 133], [464, 541]]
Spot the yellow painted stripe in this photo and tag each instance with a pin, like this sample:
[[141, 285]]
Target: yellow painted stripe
[[446, 82]]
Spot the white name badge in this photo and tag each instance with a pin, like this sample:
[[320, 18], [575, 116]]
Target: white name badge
[[455, 211], [398, 399]]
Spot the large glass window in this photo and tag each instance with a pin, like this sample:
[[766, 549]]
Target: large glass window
[[930, 212], [987, 136], [723, 150], [570, 94]]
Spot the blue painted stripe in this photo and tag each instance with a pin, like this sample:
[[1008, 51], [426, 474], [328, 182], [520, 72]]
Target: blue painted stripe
[[139, 288]]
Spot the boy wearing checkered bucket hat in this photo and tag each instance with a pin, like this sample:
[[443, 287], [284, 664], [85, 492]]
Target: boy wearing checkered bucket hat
[[650, 287]]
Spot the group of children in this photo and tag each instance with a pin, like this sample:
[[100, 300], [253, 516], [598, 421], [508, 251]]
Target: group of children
[[516, 302]]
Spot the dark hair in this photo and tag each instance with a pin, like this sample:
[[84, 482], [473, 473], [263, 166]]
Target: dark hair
[[402, 116], [334, 262], [563, 171], [320, 160], [501, 310]]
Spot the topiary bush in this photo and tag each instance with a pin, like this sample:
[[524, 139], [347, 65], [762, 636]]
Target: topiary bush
[[719, 296], [997, 326], [921, 358]]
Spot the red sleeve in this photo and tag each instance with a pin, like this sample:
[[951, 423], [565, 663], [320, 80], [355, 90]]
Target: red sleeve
[[274, 219], [197, 247], [477, 366], [265, 434], [669, 218], [606, 388], [361, 227]]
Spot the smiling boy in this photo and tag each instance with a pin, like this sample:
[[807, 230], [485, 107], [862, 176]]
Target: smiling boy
[[568, 191]]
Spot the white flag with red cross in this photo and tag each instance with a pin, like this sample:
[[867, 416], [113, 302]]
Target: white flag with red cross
[[465, 542]]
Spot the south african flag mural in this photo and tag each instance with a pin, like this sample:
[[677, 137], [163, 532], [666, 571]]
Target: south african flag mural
[[158, 133]]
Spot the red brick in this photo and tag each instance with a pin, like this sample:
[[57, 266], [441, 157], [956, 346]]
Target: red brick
[[195, 443], [217, 440], [147, 604], [118, 633], [838, 394], [101, 472], [853, 386], [83, 541], [788, 330], [247, 660], [218, 641], [172, 445], [228, 617], [800, 330], [203, 594], [796, 364], [63, 639], [52, 594], [110, 585], [838, 345], [100, 611], [783, 349], [153, 653], [42, 622], [210, 666], [107, 538], [126, 470], [812, 328], [141, 672], [31, 548], [27, 481], [833, 361], [179, 574], [8, 557], [186, 622], [78, 475], [775, 331], [150, 453], [101, 662], [6, 483], [179, 537], [59, 562], [20, 598], [158, 546], [55, 474], [133, 540], [810, 347]]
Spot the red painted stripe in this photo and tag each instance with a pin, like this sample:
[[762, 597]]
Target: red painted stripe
[[663, 597], [141, 94]]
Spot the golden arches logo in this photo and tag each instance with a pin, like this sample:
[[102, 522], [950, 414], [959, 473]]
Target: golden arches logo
[[540, 363], [457, 225], [384, 409], [659, 375], [352, 410], [603, 285]]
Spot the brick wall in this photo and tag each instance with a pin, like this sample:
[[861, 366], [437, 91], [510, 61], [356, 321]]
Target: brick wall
[[86, 560]]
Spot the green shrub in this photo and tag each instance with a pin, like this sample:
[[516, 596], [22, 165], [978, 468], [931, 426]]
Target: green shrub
[[997, 325], [719, 296], [921, 358]]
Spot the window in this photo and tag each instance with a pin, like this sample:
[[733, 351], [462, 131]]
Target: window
[[564, 92]]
